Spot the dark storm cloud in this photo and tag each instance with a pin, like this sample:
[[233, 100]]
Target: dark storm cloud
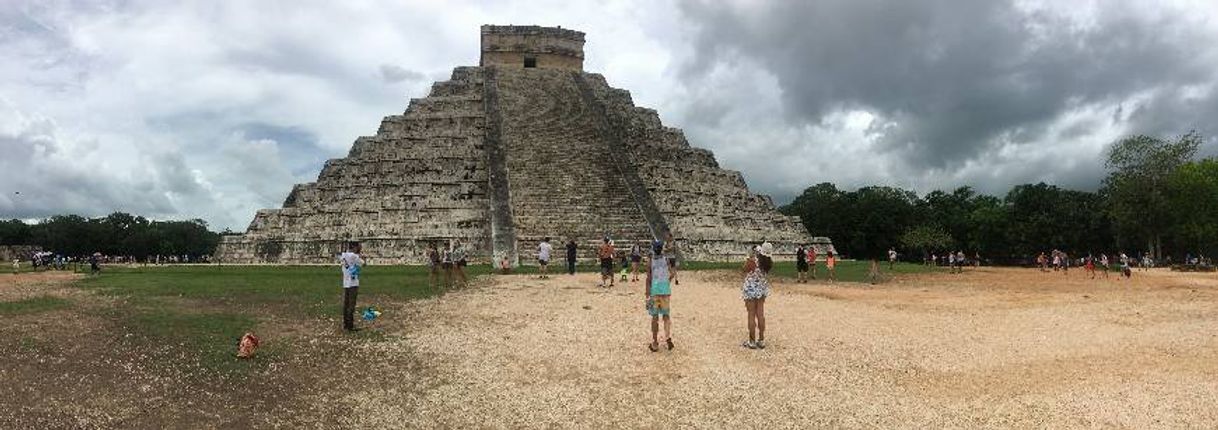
[[958, 79]]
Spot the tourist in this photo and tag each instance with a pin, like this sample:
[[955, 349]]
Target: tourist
[[1065, 263], [605, 254], [95, 263], [433, 265], [624, 263], [658, 296], [801, 262], [892, 258], [812, 260], [1089, 266], [951, 262], [446, 263], [636, 258], [1043, 262], [873, 272], [459, 262], [831, 266], [670, 252], [16, 265], [976, 259], [572, 254], [543, 258], [960, 261], [351, 265], [754, 292], [1104, 264], [1126, 271]]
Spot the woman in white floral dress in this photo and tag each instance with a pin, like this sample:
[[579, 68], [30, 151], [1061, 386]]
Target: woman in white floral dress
[[754, 291]]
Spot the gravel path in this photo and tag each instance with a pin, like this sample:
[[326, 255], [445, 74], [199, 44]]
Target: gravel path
[[989, 348]]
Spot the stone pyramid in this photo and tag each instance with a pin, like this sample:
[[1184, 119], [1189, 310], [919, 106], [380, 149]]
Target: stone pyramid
[[524, 146]]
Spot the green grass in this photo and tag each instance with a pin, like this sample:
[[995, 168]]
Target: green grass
[[205, 309], [34, 305]]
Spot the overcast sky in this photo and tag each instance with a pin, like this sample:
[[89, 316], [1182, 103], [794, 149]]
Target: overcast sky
[[213, 109]]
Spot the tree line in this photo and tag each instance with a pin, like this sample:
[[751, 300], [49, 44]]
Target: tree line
[[1158, 198], [117, 234]]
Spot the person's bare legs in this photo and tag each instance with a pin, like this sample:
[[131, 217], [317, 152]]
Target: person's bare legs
[[655, 332], [634, 271], [667, 328], [750, 307], [760, 315]]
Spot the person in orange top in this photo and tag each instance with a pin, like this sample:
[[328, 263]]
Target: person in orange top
[[830, 263]]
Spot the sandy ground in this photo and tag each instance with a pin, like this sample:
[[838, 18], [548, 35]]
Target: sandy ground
[[989, 348]]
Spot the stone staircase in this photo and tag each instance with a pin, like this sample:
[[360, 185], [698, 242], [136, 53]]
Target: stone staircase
[[710, 210], [562, 178]]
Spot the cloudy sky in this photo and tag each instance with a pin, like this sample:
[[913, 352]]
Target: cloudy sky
[[212, 109]]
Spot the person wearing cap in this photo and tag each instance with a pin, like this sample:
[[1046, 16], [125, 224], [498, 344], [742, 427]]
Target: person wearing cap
[[754, 292], [658, 294]]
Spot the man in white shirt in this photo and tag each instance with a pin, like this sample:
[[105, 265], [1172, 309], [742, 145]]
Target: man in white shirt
[[543, 257], [892, 258], [351, 265]]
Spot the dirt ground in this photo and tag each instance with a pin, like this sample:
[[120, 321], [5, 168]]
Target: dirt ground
[[1005, 348], [989, 348]]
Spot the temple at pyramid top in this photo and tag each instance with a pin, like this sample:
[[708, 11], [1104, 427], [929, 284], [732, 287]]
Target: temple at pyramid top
[[531, 46], [523, 147]]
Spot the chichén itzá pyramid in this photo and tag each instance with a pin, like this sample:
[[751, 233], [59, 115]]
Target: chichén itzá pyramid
[[526, 145]]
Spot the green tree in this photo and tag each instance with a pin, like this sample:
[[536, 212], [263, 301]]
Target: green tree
[[1192, 195], [926, 237], [1136, 185]]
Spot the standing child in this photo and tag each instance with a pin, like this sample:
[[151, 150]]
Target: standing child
[[351, 264], [659, 295]]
